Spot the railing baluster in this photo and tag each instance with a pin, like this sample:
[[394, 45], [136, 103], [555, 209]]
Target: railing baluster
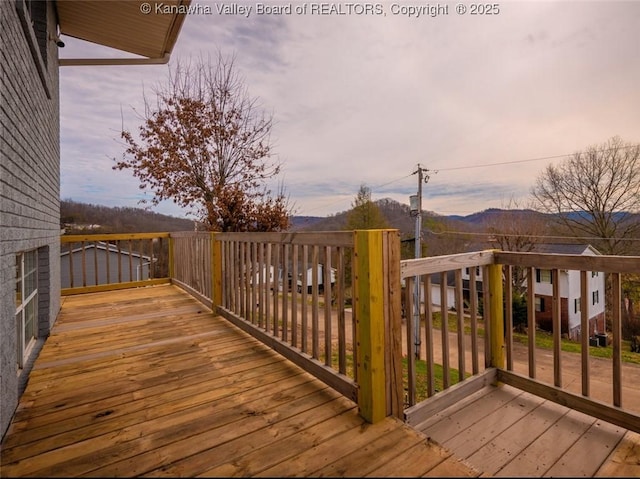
[[486, 315], [460, 326], [411, 357], [531, 320], [71, 276], [285, 292], [584, 331], [84, 265], [130, 249], [267, 287], [616, 305], [327, 305], [473, 305], [95, 261], [140, 251], [305, 326], [261, 295], [508, 295], [428, 336], [340, 285], [294, 295], [119, 259], [274, 287], [444, 314], [255, 272], [315, 339], [557, 328]]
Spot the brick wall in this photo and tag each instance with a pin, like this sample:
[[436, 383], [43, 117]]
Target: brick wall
[[29, 183]]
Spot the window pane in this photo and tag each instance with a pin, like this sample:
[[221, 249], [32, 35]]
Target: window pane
[[29, 322]]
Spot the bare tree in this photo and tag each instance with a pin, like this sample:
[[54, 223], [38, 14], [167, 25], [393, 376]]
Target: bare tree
[[516, 227], [205, 142], [595, 193]]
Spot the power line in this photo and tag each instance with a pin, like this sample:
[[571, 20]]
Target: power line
[[326, 205], [477, 233], [528, 160], [467, 167]]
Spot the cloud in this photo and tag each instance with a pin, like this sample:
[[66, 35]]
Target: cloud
[[364, 99]]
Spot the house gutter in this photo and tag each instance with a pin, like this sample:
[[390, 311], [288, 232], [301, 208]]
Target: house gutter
[[73, 62]]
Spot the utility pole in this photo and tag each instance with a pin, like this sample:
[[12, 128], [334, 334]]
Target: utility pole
[[416, 208]]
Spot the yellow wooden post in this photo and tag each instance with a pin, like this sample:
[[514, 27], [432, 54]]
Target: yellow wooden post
[[369, 305], [496, 316], [216, 271]]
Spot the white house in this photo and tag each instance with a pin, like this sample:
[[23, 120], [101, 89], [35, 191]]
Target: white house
[[320, 278], [543, 288], [570, 293]]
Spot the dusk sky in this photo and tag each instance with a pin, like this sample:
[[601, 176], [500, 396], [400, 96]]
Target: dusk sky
[[485, 102]]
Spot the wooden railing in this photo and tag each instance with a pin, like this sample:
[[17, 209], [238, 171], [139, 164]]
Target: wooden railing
[[192, 264], [300, 293], [330, 302], [497, 323], [104, 262], [439, 277], [553, 387]]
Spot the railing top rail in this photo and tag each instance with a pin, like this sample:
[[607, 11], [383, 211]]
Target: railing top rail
[[190, 234], [111, 236], [325, 238], [439, 264], [604, 263]]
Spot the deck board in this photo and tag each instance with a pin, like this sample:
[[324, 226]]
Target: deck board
[[521, 435], [148, 382]]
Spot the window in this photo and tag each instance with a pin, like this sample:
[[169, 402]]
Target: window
[[543, 276], [576, 305], [594, 274], [26, 302], [595, 297], [33, 16], [467, 271], [539, 303]]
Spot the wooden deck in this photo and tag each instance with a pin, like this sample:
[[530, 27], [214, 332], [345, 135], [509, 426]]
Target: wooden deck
[[148, 382], [503, 431]]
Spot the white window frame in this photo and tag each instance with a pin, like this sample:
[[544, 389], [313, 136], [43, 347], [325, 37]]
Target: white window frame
[[26, 302]]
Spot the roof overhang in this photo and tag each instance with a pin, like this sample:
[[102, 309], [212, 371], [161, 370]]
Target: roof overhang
[[125, 25]]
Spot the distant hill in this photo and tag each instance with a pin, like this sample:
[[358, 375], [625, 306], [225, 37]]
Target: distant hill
[[485, 217], [76, 217], [396, 214]]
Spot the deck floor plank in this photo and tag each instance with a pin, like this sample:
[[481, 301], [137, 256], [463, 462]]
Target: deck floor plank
[[537, 458], [624, 461], [600, 439], [502, 449], [492, 425], [148, 382]]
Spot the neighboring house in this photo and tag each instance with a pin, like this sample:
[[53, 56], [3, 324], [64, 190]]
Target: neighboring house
[[272, 280], [122, 265], [569, 292], [320, 279], [30, 156]]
